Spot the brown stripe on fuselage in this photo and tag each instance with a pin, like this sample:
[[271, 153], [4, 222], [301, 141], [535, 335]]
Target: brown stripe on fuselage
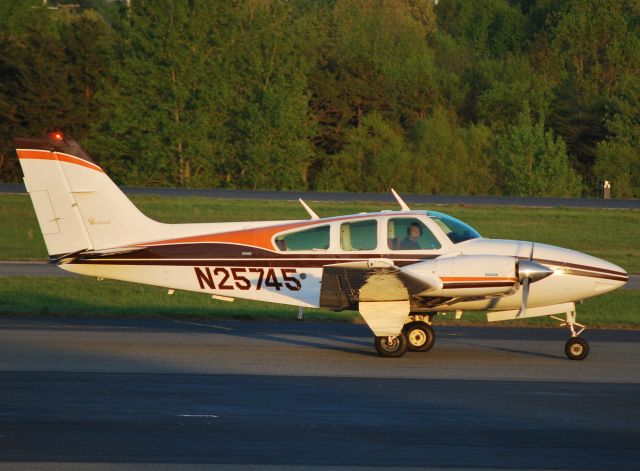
[[249, 262], [574, 265], [569, 271], [221, 254], [488, 284], [229, 254]]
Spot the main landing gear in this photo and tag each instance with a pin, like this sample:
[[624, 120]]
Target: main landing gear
[[576, 347], [417, 336]]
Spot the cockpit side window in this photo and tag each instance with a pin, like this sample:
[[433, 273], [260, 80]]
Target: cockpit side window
[[410, 234], [316, 238], [361, 235], [456, 230]]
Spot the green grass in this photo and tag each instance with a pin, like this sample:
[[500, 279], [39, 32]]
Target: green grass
[[610, 234], [88, 297]]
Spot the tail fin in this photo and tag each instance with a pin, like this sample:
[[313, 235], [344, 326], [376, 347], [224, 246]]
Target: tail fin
[[78, 206]]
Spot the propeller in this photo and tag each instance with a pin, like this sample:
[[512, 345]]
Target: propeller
[[529, 272]]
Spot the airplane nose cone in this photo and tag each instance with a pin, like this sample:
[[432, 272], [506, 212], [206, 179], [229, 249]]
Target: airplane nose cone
[[592, 274]]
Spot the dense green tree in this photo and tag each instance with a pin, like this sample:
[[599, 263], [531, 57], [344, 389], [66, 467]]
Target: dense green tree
[[206, 113], [269, 125], [487, 27], [462, 96], [618, 156], [162, 123], [50, 71], [586, 48], [450, 159], [531, 161], [505, 88], [373, 159]]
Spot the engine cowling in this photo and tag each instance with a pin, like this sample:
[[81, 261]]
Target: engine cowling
[[469, 275]]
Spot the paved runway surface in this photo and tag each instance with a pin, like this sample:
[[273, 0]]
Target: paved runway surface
[[373, 197], [92, 394], [46, 269]]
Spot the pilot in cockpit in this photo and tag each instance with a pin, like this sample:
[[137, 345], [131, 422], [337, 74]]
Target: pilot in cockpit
[[414, 231]]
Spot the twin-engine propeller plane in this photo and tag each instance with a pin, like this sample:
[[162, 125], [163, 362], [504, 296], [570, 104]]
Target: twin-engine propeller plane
[[397, 268]]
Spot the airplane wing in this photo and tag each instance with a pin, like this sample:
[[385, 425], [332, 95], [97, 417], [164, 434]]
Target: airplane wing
[[346, 284]]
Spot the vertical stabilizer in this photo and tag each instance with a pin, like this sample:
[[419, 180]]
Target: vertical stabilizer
[[78, 206]]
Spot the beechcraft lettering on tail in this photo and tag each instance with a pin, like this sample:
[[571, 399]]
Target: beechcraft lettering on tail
[[399, 269]]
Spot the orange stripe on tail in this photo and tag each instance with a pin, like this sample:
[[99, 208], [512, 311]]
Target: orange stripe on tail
[[46, 155]]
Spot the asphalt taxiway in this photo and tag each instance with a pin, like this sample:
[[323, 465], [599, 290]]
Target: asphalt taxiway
[[235, 395]]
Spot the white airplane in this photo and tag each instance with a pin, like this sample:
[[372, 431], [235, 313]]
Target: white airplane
[[397, 268]]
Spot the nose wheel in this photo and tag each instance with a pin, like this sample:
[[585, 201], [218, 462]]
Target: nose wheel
[[576, 347]]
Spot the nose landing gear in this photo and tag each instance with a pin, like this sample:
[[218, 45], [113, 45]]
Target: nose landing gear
[[576, 348]]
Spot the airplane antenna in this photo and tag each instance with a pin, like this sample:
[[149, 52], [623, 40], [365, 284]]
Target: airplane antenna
[[309, 210], [400, 201]]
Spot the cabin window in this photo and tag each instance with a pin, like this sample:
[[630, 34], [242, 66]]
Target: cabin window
[[316, 238], [361, 235], [410, 234]]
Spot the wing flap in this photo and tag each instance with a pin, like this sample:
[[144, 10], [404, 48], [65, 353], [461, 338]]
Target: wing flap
[[344, 285]]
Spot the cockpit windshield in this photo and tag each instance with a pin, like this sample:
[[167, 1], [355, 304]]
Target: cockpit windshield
[[455, 229]]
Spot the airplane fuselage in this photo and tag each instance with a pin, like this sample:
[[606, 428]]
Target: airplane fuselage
[[253, 267]]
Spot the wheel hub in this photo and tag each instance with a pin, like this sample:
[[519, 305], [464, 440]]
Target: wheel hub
[[390, 343], [417, 338], [576, 349]]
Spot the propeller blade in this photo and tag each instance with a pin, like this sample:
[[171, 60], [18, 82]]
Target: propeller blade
[[527, 271], [533, 244], [530, 272], [525, 296]]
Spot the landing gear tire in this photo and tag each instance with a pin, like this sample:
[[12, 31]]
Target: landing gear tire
[[576, 348], [420, 336], [393, 346]]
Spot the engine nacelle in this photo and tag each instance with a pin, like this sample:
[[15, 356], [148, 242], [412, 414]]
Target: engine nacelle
[[469, 275]]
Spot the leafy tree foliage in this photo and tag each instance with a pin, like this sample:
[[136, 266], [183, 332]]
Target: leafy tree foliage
[[450, 159], [532, 162], [618, 156], [524, 97], [50, 73], [374, 159]]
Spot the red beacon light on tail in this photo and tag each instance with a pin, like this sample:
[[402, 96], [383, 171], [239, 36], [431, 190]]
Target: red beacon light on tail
[[57, 136]]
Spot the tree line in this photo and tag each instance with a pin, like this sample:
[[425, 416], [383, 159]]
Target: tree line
[[520, 97]]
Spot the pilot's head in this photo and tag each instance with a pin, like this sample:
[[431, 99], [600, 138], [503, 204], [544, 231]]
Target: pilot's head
[[414, 230]]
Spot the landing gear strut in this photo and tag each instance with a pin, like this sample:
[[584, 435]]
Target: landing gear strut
[[576, 348]]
